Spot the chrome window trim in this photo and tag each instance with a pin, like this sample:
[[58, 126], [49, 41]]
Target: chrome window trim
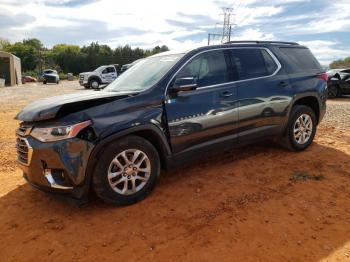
[[279, 66]]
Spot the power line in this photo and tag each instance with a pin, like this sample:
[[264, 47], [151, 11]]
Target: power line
[[225, 34]]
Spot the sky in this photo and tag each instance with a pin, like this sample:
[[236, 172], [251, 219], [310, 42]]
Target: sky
[[322, 25]]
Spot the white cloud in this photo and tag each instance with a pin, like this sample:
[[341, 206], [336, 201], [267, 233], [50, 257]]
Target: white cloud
[[326, 51], [176, 23]]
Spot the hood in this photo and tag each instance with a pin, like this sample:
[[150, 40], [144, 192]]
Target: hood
[[50, 108], [85, 73]]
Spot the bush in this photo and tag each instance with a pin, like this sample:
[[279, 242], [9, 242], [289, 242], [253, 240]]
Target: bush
[[62, 76], [31, 73]]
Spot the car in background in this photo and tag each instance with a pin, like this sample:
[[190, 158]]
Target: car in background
[[50, 76], [102, 75], [28, 79], [127, 66], [338, 82]]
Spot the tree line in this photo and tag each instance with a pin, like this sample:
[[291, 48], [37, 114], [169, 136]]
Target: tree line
[[72, 58], [341, 63]]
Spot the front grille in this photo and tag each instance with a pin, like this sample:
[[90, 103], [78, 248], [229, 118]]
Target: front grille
[[22, 147], [24, 150]]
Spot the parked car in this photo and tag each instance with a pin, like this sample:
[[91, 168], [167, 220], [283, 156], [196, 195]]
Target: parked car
[[338, 82], [50, 76], [28, 79], [100, 76], [170, 107], [127, 66]]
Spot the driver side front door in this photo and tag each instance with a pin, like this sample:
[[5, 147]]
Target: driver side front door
[[207, 115]]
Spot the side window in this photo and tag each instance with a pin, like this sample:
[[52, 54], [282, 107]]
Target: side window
[[270, 64], [207, 69], [252, 63], [111, 70], [105, 71], [299, 59]]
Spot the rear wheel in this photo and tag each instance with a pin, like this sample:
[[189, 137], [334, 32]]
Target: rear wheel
[[301, 128], [126, 171], [333, 91]]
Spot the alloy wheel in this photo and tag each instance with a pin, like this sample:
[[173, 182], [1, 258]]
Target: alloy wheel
[[129, 171], [303, 129]]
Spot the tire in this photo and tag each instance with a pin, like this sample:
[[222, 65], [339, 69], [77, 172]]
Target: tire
[[44, 82], [111, 169], [86, 86], [332, 91], [290, 140], [94, 84]]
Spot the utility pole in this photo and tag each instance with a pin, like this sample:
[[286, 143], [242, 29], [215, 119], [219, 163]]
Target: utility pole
[[226, 27], [225, 34]]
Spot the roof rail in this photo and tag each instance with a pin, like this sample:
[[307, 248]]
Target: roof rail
[[261, 42]]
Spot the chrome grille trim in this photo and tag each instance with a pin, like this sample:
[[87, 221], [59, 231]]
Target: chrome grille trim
[[24, 130], [24, 150]]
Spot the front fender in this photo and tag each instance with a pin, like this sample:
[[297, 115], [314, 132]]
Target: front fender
[[104, 142]]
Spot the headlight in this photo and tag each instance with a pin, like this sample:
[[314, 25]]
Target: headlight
[[50, 134]]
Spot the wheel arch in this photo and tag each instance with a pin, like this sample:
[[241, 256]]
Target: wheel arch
[[94, 77], [149, 132], [310, 101]]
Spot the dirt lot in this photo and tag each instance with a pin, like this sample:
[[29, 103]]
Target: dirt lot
[[260, 203]]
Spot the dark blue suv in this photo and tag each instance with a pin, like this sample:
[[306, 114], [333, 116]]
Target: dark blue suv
[[167, 108]]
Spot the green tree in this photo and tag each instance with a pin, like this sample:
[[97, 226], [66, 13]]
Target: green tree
[[4, 44], [68, 57], [29, 51], [341, 63]]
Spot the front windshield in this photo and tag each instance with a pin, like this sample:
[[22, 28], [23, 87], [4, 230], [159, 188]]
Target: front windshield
[[99, 68], [144, 74]]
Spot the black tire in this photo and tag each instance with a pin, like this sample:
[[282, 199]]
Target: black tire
[[44, 82], [101, 183], [332, 91], [94, 84], [289, 141], [58, 81], [86, 86]]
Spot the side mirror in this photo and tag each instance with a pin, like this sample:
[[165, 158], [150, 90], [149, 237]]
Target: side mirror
[[184, 84]]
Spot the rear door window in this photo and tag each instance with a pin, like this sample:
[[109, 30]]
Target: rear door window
[[300, 59], [252, 63]]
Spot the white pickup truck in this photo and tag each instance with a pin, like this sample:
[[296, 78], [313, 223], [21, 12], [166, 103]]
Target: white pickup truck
[[100, 76]]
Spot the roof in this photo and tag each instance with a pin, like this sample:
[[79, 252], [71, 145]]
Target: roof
[[250, 43], [6, 54]]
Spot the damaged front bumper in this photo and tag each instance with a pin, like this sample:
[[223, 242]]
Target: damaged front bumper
[[58, 167]]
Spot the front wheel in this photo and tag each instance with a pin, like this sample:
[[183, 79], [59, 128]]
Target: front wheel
[[301, 128], [95, 84], [127, 171]]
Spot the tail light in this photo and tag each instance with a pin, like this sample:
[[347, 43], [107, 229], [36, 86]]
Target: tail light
[[323, 76]]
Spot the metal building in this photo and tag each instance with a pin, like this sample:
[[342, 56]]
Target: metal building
[[10, 69]]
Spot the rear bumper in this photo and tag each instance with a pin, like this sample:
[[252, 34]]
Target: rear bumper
[[58, 167]]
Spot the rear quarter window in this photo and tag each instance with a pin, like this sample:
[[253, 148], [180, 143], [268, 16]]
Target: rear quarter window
[[300, 59]]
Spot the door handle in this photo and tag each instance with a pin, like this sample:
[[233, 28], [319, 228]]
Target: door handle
[[226, 94], [283, 84]]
